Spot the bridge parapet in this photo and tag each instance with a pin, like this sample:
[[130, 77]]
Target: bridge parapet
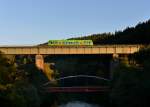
[[100, 49]]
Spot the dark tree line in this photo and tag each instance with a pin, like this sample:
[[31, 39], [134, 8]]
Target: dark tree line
[[140, 34]]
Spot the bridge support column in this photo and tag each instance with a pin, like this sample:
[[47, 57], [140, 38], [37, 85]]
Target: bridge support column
[[115, 56], [113, 64], [124, 59], [115, 60], [39, 61]]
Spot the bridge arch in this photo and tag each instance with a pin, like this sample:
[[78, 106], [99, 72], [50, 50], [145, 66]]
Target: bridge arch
[[77, 76]]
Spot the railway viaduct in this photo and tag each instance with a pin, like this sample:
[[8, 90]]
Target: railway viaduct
[[39, 51]]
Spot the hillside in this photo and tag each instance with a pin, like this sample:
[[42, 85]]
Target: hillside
[[140, 34]]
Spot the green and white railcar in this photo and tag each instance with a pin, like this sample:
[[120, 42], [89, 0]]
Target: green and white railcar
[[70, 43]]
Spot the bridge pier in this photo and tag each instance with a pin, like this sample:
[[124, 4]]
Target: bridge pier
[[115, 56], [45, 67], [113, 64], [124, 59], [116, 60], [39, 61]]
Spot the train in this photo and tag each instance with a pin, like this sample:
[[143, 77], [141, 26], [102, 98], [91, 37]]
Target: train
[[70, 43]]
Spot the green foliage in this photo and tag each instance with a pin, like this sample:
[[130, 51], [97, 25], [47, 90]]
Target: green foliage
[[142, 56], [140, 34], [7, 71], [131, 84], [15, 90]]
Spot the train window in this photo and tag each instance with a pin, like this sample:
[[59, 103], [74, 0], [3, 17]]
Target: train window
[[56, 42], [65, 43], [51, 42]]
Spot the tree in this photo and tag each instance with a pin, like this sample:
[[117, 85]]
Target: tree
[[15, 90], [131, 83]]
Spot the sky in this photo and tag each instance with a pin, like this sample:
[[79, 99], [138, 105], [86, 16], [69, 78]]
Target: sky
[[29, 22]]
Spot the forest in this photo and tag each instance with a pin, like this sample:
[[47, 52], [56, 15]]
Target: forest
[[130, 84], [140, 34]]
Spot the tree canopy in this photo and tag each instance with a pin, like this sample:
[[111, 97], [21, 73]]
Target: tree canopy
[[140, 34]]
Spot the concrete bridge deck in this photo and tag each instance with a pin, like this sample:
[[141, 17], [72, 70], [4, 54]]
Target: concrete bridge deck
[[45, 50]]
